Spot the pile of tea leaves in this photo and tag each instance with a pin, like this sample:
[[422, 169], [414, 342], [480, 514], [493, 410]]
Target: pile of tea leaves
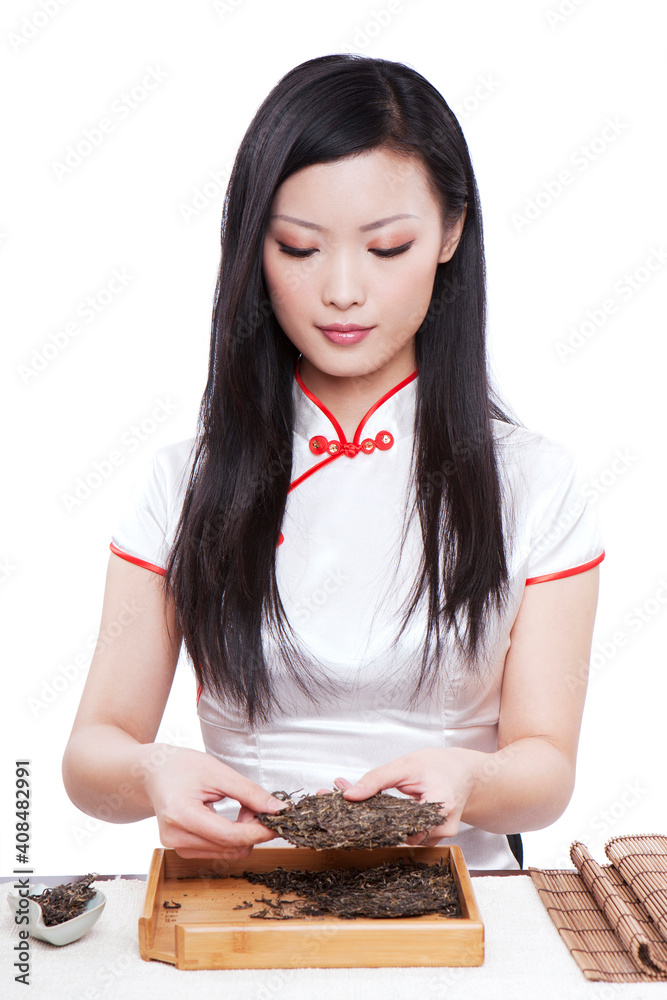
[[401, 888], [65, 901], [331, 821]]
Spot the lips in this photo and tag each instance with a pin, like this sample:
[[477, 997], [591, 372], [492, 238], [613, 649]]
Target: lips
[[344, 327], [345, 333]]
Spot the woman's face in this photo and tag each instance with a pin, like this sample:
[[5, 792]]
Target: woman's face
[[368, 233]]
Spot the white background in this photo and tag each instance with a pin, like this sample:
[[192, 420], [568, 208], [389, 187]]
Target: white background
[[535, 91]]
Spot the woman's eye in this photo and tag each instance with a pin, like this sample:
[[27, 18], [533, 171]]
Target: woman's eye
[[294, 252], [394, 251]]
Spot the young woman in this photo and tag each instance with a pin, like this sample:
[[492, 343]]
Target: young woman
[[379, 577]]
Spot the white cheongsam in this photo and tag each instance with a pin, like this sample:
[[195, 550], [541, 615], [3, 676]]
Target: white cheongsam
[[343, 577]]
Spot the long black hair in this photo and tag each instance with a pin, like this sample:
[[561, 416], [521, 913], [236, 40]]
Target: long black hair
[[221, 569]]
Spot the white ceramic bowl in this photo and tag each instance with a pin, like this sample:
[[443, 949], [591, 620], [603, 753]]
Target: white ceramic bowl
[[68, 930]]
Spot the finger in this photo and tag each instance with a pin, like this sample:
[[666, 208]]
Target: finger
[[417, 839], [248, 816], [448, 828], [324, 791], [342, 783], [432, 837], [248, 793], [229, 855], [245, 815], [198, 824], [376, 780], [182, 841]]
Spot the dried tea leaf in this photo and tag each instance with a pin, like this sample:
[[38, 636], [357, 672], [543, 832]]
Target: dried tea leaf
[[401, 888], [65, 901], [331, 821]]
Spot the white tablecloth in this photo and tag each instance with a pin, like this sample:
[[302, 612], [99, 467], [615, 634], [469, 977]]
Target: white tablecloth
[[525, 958]]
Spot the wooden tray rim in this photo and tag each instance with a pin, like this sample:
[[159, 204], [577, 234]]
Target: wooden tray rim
[[166, 863]]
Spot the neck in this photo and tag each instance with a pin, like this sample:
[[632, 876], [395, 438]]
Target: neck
[[349, 397]]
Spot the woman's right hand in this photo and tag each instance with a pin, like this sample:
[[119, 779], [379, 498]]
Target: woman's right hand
[[179, 789]]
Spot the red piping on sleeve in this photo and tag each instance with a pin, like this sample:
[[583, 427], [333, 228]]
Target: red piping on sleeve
[[139, 562], [567, 572]]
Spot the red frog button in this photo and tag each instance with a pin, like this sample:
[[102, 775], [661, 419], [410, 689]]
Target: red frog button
[[384, 440], [318, 445]]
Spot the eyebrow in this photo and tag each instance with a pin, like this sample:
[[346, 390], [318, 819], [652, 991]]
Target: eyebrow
[[362, 229]]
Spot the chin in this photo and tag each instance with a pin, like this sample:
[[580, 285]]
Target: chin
[[347, 362]]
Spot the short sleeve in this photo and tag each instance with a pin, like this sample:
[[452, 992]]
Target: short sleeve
[[146, 524], [565, 535]]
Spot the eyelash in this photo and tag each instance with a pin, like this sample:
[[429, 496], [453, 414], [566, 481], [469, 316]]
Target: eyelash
[[385, 254]]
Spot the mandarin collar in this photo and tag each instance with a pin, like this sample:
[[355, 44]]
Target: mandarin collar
[[392, 413]]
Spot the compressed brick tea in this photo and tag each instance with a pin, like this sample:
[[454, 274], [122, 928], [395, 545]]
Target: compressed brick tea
[[332, 821]]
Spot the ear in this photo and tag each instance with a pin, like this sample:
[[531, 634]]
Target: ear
[[453, 237]]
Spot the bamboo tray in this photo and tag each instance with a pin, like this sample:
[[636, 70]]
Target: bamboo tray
[[207, 933]]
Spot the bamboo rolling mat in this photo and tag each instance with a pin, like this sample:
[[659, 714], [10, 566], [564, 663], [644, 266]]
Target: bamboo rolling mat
[[612, 917]]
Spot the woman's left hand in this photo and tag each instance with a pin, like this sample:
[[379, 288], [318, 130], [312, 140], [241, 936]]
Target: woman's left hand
[[431, 775]]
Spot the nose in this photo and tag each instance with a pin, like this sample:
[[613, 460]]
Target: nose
[[342, 282]]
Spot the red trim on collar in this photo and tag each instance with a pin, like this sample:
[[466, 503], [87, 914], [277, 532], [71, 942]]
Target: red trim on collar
[[318, 402], [339, 430], [380, 401]]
